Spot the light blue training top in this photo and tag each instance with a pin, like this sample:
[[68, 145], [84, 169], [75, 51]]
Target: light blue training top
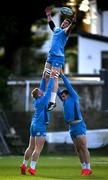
[[59, 40], [71, 104], [41, 115]]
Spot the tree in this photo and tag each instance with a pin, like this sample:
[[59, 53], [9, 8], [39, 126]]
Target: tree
[[15, 34], [15, 29]]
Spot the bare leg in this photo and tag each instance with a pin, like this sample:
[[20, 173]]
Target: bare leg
[[30, 148], [56, 71], [81, 147], [39, 143], [83, 154], [47, 72], [27, 155]]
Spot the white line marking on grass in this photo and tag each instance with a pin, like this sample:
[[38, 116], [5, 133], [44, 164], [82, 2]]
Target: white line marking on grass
[[55, 157], [100, 162]]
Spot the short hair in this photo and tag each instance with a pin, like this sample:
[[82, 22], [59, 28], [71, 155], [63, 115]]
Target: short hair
[[65, 91], [34, 93], [68, 20]]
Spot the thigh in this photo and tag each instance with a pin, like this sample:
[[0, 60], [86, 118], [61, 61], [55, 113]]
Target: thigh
[[48, 65], [77, 130], [81, 140], [76, 143], [39, 142], [32, 142], [56, 69]]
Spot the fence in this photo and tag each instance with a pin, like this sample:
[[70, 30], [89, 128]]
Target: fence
[[79, 80], [21, 120]]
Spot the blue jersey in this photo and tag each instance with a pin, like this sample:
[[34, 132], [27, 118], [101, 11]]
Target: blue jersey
[[58, 42], [71, 104], [41, 115], [72, 109]]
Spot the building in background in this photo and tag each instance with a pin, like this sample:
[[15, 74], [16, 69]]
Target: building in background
[[93, 45], [92, 38]]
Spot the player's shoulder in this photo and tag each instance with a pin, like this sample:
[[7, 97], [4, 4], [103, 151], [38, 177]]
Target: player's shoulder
[[56, 29], [34, 102]]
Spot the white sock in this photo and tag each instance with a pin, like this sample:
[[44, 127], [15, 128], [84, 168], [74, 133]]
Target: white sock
[[25, 162], [53, 97], [88, 166], [83, 165], [33, 164]]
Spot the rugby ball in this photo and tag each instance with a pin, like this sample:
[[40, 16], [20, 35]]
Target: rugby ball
[[66, 11]]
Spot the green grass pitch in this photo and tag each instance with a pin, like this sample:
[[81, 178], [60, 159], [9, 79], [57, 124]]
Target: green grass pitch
[[53, 168]]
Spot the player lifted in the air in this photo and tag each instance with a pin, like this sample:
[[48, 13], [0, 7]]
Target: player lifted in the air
[[56, 57]]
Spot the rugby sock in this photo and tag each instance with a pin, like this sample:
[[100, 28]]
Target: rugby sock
[[83, 165], [33, 164], [88, 166], [25, 162], [53, 97]]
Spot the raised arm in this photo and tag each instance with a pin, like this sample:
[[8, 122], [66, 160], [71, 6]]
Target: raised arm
[[42, 84], [49, 88], [48, 12], [69, 86], [59, 93], [71, 25]]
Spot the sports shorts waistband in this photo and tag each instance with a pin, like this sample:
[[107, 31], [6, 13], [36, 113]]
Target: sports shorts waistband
[[74, 122]]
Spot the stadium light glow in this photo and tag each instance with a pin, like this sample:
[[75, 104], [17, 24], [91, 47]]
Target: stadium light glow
[[33, 28], [2, 51], [84, 6], [87, 20]]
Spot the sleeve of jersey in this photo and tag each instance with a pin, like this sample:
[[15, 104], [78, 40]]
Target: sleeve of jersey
[[69, 87], [49, 88], [42, 85], [59, 93], [51, 25]]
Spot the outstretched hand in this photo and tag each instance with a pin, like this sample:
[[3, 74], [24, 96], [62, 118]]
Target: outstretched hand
[[48, 11], [74, 18]]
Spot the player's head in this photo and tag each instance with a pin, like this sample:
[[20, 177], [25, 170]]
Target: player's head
[[36, 93], [64, 94], [65, 23]]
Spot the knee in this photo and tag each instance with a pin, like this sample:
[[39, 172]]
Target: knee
[[78, 148], [83, 147], [31, 148]]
